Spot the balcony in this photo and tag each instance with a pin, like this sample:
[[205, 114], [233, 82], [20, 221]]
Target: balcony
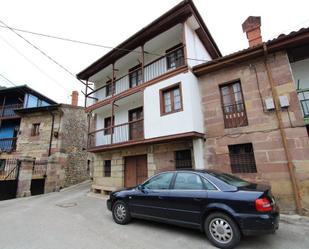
[[303, 96], [7, 111], [117, 134], [8, 144], [171, 61]]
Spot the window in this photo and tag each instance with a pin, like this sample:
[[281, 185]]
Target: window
[[183, 159], [161, 181], [230, 179], [233, 105], [109, 88], [188, 181], [107, 168], [174, 57], [108, 123], [242, 158], [2, 164], [135, 76], [35, 130], [171, 99]]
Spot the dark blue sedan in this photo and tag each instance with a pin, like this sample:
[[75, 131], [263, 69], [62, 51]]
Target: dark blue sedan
[[223, 206]]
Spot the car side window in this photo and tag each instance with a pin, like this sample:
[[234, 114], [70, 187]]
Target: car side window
[[188, 181], [208, 185], [158, 182]]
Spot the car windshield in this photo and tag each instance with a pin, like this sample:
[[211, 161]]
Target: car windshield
[[230, 179]]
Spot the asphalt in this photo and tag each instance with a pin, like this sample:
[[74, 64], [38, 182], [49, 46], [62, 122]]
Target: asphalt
[[74, 219]]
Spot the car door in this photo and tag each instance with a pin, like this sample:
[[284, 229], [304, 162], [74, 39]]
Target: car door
[[150, 199], [187, 199]]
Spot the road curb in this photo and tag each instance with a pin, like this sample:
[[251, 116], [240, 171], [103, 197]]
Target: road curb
[[294, 219]]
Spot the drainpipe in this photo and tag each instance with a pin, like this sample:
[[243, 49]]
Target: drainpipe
[[51, 133], [293, 178]]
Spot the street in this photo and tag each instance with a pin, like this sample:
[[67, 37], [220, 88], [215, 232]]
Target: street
[[71, 219]]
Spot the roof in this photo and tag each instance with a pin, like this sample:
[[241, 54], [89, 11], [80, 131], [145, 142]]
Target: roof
[[48, 108], [282, 42], [169, 19], [25, 89]]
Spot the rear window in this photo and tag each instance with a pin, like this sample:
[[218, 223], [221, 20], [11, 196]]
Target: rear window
[[230, 179]]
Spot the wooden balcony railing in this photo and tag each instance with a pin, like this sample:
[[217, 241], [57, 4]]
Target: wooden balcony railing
[[303, 96], [8, 144], [122, 133], [235, 115], [8, 110], [150, 71]]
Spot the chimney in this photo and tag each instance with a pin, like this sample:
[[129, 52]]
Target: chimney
[[252, 27], [74, 98]]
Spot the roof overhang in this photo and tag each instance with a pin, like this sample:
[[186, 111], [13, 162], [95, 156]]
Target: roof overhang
[[283, 42], [176, 15]]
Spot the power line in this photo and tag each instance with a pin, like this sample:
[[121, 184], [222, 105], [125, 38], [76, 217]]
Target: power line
[[32, 63], [7, 80], [88, 43], [41, 51]]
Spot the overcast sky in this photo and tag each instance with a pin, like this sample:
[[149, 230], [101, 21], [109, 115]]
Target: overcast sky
[[109, 22]]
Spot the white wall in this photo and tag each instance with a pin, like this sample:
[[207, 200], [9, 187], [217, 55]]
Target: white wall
[[300, 71], [195, 48], [188, 120]]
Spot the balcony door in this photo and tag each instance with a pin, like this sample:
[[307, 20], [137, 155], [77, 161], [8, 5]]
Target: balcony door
[[136, 124]]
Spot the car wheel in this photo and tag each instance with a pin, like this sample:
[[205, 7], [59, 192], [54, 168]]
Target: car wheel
[[121, 213], [222, 231]]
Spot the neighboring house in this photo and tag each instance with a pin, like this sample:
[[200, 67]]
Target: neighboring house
[[256, 108], [52, 136], [146, 104]]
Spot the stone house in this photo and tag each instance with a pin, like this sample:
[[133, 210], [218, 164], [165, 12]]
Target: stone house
[[255, 105], [52, 138], [163, 107]]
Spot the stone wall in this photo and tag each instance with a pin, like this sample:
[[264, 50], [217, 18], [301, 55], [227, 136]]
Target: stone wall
[[160, 157], [262, 130]]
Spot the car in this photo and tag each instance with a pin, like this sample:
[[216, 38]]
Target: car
[[221, 205]]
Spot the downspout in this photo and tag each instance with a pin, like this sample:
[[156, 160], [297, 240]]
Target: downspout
[[51, 133], [292, 174]]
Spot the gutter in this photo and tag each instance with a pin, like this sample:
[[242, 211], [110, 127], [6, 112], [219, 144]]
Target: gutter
[[51, 133]]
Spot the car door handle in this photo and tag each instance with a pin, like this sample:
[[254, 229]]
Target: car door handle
[[197, 199]]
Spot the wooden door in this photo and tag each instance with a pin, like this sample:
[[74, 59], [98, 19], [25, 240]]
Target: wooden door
[[135, 171], [136, 129]]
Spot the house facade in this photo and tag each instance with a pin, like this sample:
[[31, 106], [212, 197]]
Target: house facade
[[144, 106], [255, 106], [50, 138]]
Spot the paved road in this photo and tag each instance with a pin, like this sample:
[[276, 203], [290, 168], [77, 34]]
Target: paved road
[[72, 220]]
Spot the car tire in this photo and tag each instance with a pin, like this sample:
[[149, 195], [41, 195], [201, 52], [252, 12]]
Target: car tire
[[222, 231], [121, 213]]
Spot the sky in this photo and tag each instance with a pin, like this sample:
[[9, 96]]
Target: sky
[[109, 23]]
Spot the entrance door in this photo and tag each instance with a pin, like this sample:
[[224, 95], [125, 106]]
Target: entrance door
[[136, 129], [135, 171]]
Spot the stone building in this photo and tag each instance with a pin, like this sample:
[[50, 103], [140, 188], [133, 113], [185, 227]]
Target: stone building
[[255, 105], [52, 138]]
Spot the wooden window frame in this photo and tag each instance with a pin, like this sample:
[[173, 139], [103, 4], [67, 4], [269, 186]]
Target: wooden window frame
[[108, 130], [107, 170], [171, 51], [162, 103], [230, 83], [243, 159], [35, 129], [134, 70]]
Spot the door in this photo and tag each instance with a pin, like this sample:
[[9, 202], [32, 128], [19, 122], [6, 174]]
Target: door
[[136, 126], [187, 199], [135, 171], [151, 199]]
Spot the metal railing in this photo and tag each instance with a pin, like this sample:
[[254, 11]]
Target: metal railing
[[150, 71], [303, 96], [8, 110], [8, 169], [122, 133], [8, 144], [39, 169]]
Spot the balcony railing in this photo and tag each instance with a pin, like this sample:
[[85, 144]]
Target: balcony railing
[[150, 71], [122, 133], [303, 96], [8, 144], [8, 110]]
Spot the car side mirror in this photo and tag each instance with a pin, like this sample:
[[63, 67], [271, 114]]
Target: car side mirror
[[140, 187]]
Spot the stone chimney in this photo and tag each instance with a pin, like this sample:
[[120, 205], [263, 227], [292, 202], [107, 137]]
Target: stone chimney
[[74, 98], [252, 28]]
